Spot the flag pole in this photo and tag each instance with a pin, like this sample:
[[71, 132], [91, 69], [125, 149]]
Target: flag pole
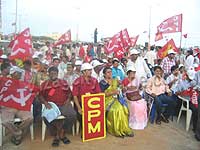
[[16, 17], [149, 36]]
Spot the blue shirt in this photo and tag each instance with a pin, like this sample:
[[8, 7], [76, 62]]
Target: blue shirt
[[117, 73]]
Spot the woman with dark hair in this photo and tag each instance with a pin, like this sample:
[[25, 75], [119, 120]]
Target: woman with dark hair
[[117, 113]]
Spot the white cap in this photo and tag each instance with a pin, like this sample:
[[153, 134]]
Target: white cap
[[171, 51], [14, 69], [96, 63], [35, 56], [46, 62], [134, 51], [55, 57], [4, 56], [131, 68], [86, 66], [191, 73], [105, 60], [180, 65], [78, 63], [116, 59]]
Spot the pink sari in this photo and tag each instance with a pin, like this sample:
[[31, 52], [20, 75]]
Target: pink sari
[[138, 111]]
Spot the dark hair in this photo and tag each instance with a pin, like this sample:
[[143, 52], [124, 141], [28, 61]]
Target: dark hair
[[174, 68], [4, 66], [27, 62], [157, 67], [105, 69], [115, 61], [53, 68], [56, 58], [123, 60], [190, 52]]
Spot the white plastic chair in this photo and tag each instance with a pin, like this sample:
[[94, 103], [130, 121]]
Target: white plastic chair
[[188, 112], [60, 117], [2, 128]]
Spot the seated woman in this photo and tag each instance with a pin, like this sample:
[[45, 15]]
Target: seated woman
[[157, 88], [117, 113], [138, 106]]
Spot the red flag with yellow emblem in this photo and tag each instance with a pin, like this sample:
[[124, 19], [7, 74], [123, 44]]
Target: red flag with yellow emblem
[[164, 50]]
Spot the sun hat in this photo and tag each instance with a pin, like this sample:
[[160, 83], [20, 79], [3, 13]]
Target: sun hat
[[86, 66]]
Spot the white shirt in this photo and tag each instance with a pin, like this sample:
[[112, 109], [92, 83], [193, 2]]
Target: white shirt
[[151, 56], [189, 61], [141, 67]]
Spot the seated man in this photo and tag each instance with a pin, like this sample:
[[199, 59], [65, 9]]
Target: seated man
[[57, 91], [184, 88], [157, 88], [9, 114]]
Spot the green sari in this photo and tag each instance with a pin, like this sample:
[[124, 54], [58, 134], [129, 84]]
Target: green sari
[[117, 114]]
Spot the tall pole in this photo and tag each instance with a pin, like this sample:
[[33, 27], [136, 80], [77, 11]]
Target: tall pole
[[0, 18], [16, 17], [149, 36]]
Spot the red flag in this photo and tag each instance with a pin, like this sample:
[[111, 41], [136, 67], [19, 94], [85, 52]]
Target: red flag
[[171, 25], [21, 46], [65, 38], [164, 50], [81, 52], [158, 36], [16, 94], [134, 40], [126, 41], [114, 44], [185, 35]]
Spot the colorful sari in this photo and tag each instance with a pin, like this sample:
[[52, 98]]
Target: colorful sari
[[117, 113], [138, 109]]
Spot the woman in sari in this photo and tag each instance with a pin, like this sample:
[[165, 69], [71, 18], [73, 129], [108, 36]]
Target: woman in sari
[[138, 107], [117, 113]]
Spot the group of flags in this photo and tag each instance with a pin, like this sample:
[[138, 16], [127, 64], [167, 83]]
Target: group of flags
[[120, 43]]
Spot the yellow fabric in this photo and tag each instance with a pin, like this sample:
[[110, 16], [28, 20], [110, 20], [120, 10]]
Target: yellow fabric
[[117, 115]]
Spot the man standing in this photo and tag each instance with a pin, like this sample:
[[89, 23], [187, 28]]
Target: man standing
[[140, 65], [168, 62]]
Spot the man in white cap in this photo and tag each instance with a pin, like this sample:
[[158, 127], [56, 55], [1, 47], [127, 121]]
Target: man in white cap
[[168, 62], [77, 68], [185, 89], [97, 71], [140, 65], [82, 85]]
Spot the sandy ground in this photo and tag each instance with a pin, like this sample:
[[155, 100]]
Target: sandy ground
[[170, 136]]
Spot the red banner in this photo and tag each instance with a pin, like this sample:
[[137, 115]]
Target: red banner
[[171, 25], [126, 41], [93, 117], [16, 94], [164, 50], [114, 44], [65, 38], [21, 46], [134, 40]]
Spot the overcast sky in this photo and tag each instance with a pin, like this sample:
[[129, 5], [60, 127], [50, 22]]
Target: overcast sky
[[109, 16]]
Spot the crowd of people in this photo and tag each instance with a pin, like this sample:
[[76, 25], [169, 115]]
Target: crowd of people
[[65, 74]]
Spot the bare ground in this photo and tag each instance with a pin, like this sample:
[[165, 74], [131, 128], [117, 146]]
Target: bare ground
[[170, 136]]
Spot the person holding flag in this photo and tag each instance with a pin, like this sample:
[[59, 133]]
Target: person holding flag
[[8, 114]]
